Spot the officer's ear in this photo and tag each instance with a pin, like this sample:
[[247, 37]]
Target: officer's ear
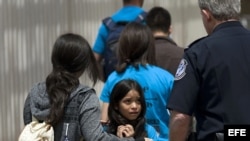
[[206, 15]]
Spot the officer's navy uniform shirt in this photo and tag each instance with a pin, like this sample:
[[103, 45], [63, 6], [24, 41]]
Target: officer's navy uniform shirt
[[213, 80]]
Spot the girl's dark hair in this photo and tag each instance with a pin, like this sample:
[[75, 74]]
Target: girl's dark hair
[[71, 56], [136, 46], [118, 93]]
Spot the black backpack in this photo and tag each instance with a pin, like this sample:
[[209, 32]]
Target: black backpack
[[114, 30]]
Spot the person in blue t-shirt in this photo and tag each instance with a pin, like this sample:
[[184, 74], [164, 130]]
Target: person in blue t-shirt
[[136, 59], [129, 12], [127, 111]]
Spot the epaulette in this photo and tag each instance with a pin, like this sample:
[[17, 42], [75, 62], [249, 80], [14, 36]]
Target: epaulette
[[196, 41]]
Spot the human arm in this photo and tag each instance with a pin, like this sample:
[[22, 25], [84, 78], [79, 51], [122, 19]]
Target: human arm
[[104, 97], [179, 126], [104, 114], [100, 43], [98, 57], [99, 47]]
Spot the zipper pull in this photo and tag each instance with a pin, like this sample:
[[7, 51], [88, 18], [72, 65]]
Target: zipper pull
[[66, 134]]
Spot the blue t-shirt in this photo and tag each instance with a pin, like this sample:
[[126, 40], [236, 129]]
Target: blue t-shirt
[[152, 134], [126, 13], [157, 85]]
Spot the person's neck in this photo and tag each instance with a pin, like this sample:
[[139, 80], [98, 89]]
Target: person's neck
[[216, 23], [132, 4], [160, 34]]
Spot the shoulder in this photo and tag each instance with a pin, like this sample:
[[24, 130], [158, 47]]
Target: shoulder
[[84, 88], [129, 8], [87, 96], [197, 46], [167, 46], [38, 90], [38, 86], [158, 70], [85, 91], [198, 41], [127, 13]]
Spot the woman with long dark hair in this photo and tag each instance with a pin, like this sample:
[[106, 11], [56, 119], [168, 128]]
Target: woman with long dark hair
[[70, 107]]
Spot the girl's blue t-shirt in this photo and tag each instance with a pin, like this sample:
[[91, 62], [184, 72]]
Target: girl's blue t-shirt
[[152, 134]]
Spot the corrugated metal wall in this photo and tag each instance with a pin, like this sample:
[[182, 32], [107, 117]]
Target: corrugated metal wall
[[28, 29]]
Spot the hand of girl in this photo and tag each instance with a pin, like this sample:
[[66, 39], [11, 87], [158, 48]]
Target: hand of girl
[[125, 131]]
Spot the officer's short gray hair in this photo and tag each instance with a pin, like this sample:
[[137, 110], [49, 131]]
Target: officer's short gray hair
[[222, 10]]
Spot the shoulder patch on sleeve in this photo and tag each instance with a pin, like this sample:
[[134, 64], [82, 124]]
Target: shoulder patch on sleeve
[[181, 71]]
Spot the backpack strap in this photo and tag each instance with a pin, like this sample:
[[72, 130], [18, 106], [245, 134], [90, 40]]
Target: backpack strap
[[111, 25], [141, 17]]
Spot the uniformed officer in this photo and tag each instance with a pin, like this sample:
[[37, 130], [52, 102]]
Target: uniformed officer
[[213, 80]]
